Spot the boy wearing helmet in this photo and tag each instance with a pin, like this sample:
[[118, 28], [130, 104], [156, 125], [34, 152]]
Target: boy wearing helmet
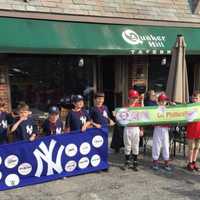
[[161, 138], [78, 118], [53, 125], [132, 134]]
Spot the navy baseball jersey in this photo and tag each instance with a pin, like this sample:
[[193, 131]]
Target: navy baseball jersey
[[52, 128], [25, 129], [100, 115], [76, 119], [5, 120]]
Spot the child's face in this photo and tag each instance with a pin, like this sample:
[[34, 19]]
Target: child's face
[[196, 99], [162, 103], [79, 104], [24, 113], [152, 97], [99, 101], [2, 109], [133, 99], [53, 117]]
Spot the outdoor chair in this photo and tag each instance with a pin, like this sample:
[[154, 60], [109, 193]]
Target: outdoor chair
[[148, 135], [178, 136]]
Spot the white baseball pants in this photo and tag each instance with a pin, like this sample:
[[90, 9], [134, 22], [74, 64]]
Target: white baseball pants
[[131, 140], [160, 140]]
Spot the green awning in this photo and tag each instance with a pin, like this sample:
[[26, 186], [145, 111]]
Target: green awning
[[58, 37]]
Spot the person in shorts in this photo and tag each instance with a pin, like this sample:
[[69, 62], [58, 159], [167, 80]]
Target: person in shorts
[[193, 139]]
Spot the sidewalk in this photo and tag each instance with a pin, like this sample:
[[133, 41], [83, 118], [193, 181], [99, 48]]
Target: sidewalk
[[117, 184]]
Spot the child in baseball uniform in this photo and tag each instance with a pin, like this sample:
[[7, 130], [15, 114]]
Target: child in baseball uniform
[[99, 113], [53, 125], [193, 138], [5, 121], [132, 135], [78, 118], [161, 138], [24, 127]]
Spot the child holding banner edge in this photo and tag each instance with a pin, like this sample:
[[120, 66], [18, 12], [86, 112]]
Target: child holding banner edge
[[161, 139], [78, 118], [132, 135], [193, 138], [53, 124], [100, 114]]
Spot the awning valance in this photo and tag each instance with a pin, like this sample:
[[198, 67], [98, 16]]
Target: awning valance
[[59, 37]]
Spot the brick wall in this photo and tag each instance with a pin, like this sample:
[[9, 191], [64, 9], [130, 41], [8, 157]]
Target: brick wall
[[5, 87], [173, 10]]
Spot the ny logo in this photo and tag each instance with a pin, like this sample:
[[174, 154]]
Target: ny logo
[[83, 120], [4, 124], [105, 114], [29, 129], [58, 130], [45, 154]]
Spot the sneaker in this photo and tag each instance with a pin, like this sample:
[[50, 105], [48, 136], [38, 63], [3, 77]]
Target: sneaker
[[167, 168], [126, 166], [190, 167], [155, 166], [195, 166], [135, 166]]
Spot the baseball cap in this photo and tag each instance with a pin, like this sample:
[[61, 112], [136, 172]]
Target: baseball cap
[[53, 110], [76, 98], [99, 94]]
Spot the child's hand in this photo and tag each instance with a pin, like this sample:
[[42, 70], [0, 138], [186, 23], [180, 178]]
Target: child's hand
[[83, 129], [98, 126], [32, 138], [114, 113], [22, 119], [112, 123]]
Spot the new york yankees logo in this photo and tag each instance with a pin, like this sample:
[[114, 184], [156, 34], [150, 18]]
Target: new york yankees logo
[[83, 119], [45, 154], [58, 130], [29, 129], [4, 124]]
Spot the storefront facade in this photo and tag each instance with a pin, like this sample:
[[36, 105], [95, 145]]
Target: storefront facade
[[47, 57]]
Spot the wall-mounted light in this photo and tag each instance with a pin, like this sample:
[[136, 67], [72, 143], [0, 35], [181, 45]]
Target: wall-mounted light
[[81, 62], [164, 61]]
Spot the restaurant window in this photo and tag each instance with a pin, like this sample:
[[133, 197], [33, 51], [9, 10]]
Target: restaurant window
[[42, 80], [158, 72]]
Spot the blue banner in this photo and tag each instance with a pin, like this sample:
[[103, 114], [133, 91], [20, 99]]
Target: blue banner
[[53, 157]]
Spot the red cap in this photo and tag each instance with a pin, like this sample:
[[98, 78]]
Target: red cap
[[133, 94], [163, 97]]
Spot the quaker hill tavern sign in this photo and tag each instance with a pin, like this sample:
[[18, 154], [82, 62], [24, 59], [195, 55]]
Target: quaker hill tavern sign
[[151, 43]]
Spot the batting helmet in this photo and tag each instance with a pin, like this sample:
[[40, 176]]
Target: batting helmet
[[163, 97], [133, 94]]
